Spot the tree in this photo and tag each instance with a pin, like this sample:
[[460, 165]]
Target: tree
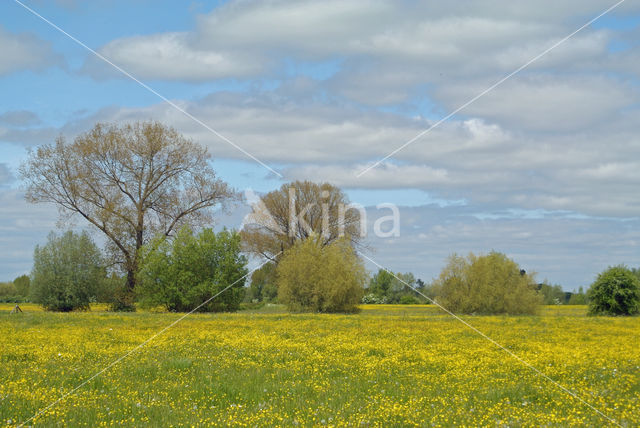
[[316, 277], [131, 182], [487, 284], [579, 298], [22, 284], [296, 211], [380, 285], [8, 292], [551, 294], [263, 284], [66, 272], [183, 273], [616, 291], [387, 287]]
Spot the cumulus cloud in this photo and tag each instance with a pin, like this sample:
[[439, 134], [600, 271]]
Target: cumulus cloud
[[19, 118], [546, 102], [6, 176], [171, 56], [593, 171], [22, 227], [25, 51], [388, 52]]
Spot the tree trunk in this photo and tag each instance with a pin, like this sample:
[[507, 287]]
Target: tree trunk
[[131, 280]]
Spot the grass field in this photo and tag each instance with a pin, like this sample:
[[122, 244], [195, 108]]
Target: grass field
[[388, 365]]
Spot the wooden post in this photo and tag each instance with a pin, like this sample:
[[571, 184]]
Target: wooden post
[[16, 310]]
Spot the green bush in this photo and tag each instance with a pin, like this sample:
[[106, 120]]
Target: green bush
[[487, 284], [398, 288], [22, 283], [263, 286], [616, 291], [408, 300], [66, 272], [321, 278], [183, 273], [8, 292]]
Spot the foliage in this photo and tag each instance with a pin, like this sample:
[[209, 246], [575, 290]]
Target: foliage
[[551, 294], [387, 287], [8, 292], [296, 211], [263, 286], [486, 284], [373, 299], [579, 298], [321, 278], [616, 291], [183, 273], [406, 299], [66, 272], [22, 284], [131, 182]]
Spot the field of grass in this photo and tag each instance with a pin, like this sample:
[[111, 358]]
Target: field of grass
[[388, 365]]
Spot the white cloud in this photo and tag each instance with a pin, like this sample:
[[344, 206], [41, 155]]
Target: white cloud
[[25, 52], [22, 227], [593, 171], [6, 176], [19, 118], [171, 56], [542, 103], [563, 249]]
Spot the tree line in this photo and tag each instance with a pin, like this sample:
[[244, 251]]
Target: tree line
[[153, 195]]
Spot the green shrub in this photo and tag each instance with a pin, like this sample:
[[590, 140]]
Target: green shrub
[[408, 300], [66, 272], [373, 299], [321, 278], [616, 291], [22, 283], [183, 273], [8, 291], [263, 286], [394, 288], [487, 284]]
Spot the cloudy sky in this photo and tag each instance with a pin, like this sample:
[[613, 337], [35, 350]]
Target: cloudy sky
[[545, 167]]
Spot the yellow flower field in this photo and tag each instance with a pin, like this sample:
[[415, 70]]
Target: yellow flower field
[[388, 365]]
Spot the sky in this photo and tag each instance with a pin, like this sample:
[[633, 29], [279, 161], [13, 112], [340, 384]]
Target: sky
[[544, 167]]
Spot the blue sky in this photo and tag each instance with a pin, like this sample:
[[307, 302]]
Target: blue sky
[[544, 168]]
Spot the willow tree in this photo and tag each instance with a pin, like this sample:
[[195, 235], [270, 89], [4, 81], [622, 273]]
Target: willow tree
[[131, 182], [297, 211]]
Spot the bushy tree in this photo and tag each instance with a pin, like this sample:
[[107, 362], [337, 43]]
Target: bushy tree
[[22, 284], [578, 298], [67, 270], [263, 286], [131, 182], [551, 294], [387, 287], [183, 273], [380, 286], [8, 291], [296, 211], [616, 291], [321, 278], [486, 284]]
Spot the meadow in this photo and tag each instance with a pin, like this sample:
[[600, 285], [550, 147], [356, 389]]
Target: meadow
[[387, 365]]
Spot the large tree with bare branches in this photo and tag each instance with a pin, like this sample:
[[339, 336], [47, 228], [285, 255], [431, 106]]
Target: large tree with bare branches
[[298, 210], [131, 182]]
